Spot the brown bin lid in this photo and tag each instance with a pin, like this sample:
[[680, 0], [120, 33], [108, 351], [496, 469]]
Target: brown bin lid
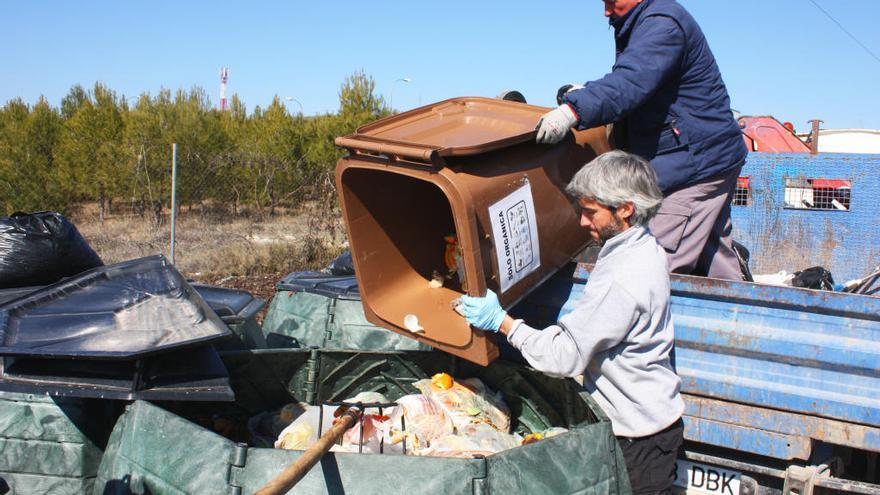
[[455, 127]]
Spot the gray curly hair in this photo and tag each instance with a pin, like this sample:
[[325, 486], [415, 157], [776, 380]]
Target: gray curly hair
[[615, 178]]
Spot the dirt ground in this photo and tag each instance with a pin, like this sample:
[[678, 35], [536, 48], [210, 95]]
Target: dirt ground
[[248, 253]]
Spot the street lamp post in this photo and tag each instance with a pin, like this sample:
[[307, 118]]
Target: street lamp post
[[391, 102], [290, 98]]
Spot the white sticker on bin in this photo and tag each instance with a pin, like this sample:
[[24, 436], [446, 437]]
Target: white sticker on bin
[[515, 233]]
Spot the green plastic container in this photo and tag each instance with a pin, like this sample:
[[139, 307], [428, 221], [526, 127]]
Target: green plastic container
[[52, 445], [156, 448], [313, 309]]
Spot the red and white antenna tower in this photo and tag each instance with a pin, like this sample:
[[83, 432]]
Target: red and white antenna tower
[[224, 76]]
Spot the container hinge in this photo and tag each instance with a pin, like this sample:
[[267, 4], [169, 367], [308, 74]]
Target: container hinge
[[312, 377], [801, 480], [237, 461], [480, 484], [330, 322]]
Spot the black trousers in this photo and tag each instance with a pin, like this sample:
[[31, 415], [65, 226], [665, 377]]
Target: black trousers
[[650, 460]]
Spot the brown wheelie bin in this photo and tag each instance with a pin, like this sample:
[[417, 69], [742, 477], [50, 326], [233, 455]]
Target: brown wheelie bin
[[457, 194]]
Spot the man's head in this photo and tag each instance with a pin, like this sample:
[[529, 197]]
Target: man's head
[[619, 8], [615, 191]]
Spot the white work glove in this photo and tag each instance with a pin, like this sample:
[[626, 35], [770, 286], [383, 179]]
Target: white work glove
[[555, 124]]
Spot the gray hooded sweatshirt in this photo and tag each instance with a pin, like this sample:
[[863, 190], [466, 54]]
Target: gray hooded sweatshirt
[[619, 336]]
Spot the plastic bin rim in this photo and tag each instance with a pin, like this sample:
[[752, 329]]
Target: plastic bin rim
[[362, 141]]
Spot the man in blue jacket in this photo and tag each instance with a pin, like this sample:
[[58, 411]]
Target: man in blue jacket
[[669, 104]]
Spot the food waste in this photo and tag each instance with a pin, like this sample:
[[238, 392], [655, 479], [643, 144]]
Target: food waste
[[453, 263], [449, 418]]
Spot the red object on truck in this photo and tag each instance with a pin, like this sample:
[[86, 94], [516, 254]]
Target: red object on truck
[[768, 135]]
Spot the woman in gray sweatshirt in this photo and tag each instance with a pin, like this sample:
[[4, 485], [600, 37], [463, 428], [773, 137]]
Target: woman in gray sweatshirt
[[619, 335]]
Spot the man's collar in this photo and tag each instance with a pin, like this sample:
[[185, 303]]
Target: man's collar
[[624, 24], [625, 238]]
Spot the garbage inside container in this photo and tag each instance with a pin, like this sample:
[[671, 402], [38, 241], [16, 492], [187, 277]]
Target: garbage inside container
[[460, 189], [467, 402], [150, 449], [450, 418]]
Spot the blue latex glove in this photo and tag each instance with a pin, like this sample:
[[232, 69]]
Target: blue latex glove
[[555, 124], [483, 312]]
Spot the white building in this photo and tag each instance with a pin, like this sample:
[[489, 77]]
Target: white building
[[848, 140]]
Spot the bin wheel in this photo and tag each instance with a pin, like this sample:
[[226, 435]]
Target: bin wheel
[[512, 95]]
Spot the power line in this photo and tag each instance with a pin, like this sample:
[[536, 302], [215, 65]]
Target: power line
[[845, 31]]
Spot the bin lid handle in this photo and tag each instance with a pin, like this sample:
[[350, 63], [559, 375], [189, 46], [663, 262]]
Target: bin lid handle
[[413, 152]]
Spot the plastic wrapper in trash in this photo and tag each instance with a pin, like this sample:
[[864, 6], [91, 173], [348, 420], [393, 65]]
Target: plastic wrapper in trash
[[376, 438], [303, 431], [374, 424], [541, 435], [368, 398], [41, 248], [779, 278], [299, 436], [264, 428], [552, 432], [424, 420], [468, 402], [471, 440]]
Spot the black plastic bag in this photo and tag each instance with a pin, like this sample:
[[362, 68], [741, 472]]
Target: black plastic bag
[[41, 248], [342, 265], [743, 256], [815, 277]]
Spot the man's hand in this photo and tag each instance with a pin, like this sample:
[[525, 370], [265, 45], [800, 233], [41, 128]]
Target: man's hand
[[555, 124], [483, 312]]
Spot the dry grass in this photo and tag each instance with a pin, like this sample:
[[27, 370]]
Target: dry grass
[[210, 245]]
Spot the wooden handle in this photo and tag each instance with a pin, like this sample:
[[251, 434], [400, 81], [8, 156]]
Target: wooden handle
[[296, 471]]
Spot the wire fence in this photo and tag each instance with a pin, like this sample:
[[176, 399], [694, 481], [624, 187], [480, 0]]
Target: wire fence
[[282, 219]]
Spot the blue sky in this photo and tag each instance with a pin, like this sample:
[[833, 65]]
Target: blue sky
[[779, 57]]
